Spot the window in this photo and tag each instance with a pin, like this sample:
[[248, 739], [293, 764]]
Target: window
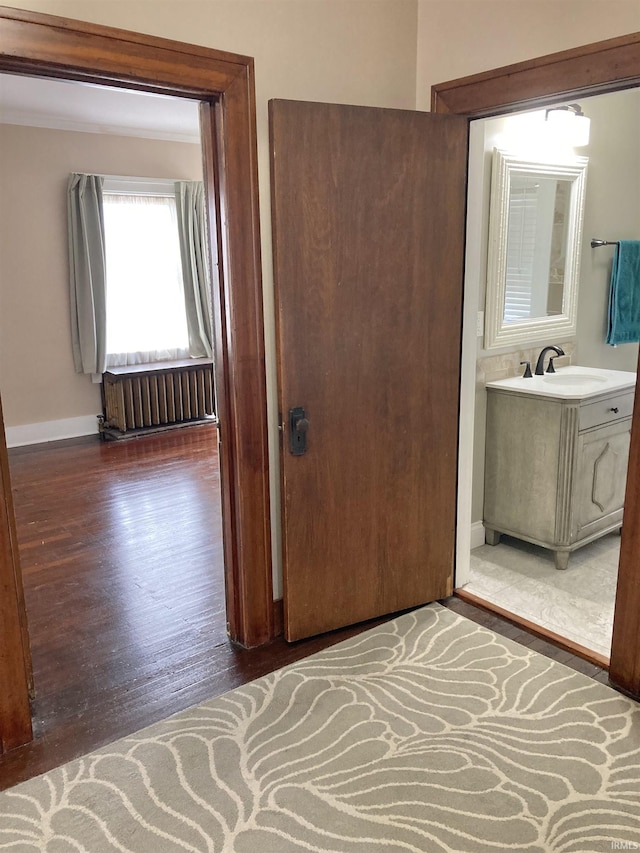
[[145, 306]]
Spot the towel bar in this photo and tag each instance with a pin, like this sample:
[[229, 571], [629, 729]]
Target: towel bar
[[596, 243]]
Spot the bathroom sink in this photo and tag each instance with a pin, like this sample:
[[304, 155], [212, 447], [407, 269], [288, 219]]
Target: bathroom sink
[[569, 383], [574, 379]]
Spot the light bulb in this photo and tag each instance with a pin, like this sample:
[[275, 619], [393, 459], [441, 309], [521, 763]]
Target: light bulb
[[580, 131], [569, 127]]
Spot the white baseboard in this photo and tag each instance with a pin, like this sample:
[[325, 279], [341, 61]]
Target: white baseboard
[[477, 534], [17, 436]]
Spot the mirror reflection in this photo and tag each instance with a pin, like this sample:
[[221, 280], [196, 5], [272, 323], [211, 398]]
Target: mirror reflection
[[536, 247], [535, 227]]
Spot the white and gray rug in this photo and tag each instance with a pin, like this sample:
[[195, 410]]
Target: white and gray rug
[[428, 733]]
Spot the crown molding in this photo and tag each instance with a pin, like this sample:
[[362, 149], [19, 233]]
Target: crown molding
[[52, 122]]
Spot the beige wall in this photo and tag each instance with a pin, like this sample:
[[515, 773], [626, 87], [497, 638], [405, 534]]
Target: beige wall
[[460, 37], [37, 378], [358, 52]]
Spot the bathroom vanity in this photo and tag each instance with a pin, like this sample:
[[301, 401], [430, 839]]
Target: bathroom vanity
[[557, 448]]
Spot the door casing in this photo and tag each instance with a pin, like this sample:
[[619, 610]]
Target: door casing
[[605, 66]]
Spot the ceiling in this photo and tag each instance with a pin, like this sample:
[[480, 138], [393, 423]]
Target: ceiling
[[68, 105]]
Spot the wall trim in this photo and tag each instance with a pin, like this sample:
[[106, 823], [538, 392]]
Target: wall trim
[[39, 433], [468, 357], [49, 122], [477, 534]]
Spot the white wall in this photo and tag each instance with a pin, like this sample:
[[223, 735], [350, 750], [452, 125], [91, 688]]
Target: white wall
[[612, 207]]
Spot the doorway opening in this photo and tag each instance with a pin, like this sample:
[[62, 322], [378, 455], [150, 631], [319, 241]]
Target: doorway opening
[[43, 45], [514, 576], [120, 542]]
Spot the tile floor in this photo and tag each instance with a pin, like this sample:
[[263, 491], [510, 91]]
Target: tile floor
[[576, 603]]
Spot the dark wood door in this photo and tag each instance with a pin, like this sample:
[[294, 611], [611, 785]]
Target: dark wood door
[[369, 223]]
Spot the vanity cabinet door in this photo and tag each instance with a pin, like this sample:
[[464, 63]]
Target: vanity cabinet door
[[602, 459]]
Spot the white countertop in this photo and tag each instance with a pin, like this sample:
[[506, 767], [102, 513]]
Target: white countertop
[[570, 383]]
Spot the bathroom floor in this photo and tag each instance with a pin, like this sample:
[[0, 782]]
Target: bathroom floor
[[576, 603]]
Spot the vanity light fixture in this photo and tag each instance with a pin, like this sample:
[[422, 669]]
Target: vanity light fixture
[[569, 123]]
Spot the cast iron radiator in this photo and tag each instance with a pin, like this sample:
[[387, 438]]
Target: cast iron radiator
[[161, 394]]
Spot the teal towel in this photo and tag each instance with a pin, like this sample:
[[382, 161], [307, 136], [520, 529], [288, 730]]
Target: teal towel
[[624, 294]]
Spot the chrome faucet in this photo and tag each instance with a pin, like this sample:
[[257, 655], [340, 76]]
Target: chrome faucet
[[540, 361]]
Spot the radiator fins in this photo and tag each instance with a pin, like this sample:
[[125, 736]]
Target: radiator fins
[[158, 397]]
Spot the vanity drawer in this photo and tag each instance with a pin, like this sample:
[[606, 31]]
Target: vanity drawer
[[606, 410]]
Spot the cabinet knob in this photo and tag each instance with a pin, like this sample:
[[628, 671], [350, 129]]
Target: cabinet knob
[[614, 410]]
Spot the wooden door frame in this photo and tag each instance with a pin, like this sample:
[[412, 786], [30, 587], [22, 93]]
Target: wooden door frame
[[15, 656], [35, 44], [593, 69]]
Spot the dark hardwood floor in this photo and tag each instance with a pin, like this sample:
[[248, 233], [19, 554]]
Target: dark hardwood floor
[[121, 553]]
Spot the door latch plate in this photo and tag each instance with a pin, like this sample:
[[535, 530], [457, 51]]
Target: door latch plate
[[298, 427]]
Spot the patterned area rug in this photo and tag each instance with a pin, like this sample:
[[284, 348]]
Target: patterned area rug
[[428, 733]]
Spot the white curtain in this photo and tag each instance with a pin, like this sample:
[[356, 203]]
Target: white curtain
[[87, 273], [194, 250], [146, 319], [143, 292]]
